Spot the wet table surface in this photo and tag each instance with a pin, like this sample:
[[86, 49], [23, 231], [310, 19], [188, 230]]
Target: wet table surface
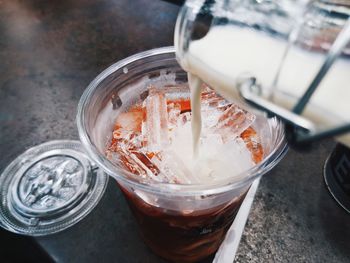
[[50, 51]]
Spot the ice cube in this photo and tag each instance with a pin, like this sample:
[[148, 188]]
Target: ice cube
[[253, 143], [155, 122], [235, 156], [146, 162], [212, 107], [174, 110], [136, 162], [127, 140], [219, 161], [130, 121], [212, 99], [174, 93], [121, 157], [184, 118], [233, 121], [175, 170], [127, 129], [210, 117], [167, 174]]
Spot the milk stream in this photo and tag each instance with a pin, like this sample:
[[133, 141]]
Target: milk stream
[[228, 53], [196, 121]]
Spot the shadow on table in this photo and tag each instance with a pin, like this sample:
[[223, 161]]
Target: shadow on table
[[336, 223]]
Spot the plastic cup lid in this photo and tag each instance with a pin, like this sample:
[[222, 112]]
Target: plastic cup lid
[[49, 188]]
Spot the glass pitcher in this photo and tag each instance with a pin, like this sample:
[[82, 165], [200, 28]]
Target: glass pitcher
[[287, 57]]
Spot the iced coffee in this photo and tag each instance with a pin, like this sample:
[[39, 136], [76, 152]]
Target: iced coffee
[[152, 139]]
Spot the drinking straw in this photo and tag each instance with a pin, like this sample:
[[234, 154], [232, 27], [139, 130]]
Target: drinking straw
[[227, 250]]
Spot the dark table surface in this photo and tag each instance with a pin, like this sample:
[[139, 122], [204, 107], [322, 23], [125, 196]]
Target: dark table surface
[[50, 51]]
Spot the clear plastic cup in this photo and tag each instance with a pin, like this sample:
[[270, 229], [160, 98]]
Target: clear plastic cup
[[182, 223]]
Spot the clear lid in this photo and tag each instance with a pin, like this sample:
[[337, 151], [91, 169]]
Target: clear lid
[[49, 188]]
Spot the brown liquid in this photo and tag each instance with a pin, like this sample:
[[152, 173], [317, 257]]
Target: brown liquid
[[181, 237]]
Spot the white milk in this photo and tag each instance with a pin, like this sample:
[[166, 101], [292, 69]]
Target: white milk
[[195, 84], [227, 53]]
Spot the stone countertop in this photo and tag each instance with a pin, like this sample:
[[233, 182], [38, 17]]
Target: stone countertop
[[50, 51]]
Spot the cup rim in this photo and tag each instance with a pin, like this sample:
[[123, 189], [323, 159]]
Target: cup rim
[[157, 187]]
